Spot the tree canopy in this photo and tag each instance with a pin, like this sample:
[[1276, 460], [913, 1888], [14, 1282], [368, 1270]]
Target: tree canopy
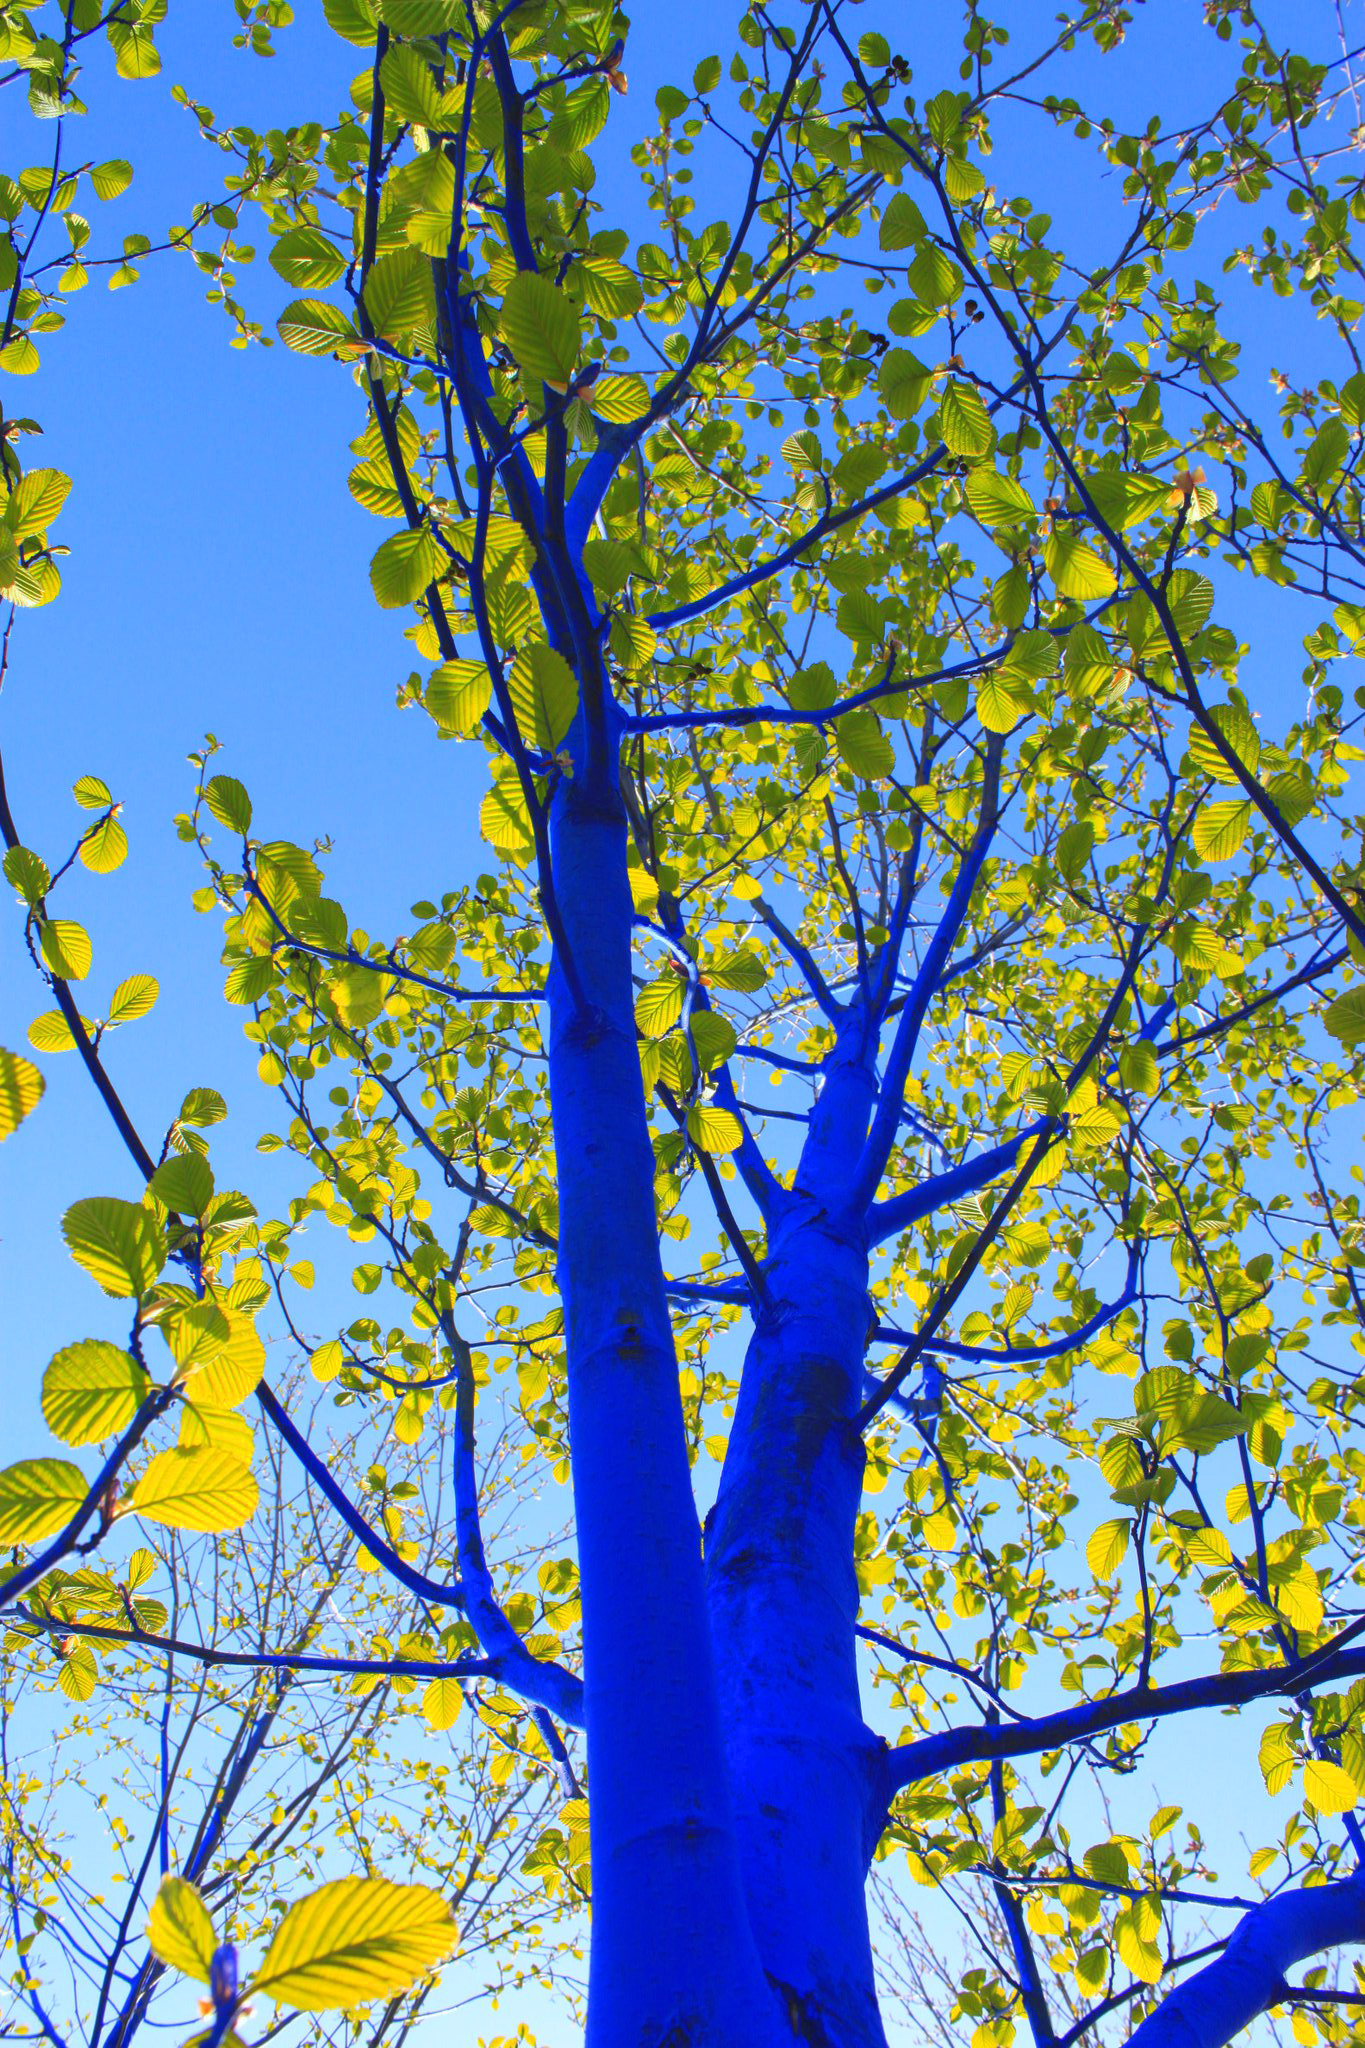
[[855, 1206]]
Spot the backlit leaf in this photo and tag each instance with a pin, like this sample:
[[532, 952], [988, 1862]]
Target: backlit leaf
[[118, 1243], [179, 1929], [21, 1088], [91, 1391], [203, 1490], [356, 1939]]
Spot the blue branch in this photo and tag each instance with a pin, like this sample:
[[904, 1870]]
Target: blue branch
[[415, 1581], [888, 1219], [882, 1135]]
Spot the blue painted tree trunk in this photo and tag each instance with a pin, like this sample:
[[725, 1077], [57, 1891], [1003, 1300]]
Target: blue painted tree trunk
[[674, 1959], [733, 1781]]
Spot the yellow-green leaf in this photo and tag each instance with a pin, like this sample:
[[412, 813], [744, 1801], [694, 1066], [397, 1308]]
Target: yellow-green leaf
[[306, 256], [356, 1939], [1108, 1547], [713, 1129], [52, 1033], [863, 745], [133, 998], [37, 1497], [540, 327], [442, 1701], [544, 692], [91, 1390], [1002, 699], [179, 1929], [1331, 1789], [1345, 1018], [403, 566], [458, 694], [21, 1088], [224, 1371], [964, 422], [66, 948], [1220, 829], [204, 1490], [1076, 569], [314, 328], [119, 1244], [184, 1184], [227, 798]]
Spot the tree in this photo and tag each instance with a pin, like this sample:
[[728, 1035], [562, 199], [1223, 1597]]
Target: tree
[[886, 726]]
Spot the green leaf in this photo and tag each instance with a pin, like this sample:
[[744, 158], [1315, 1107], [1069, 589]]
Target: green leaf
[[136, 54], [1075, 847], [458, 694], [1108, 1547], [111, 178], [91, 793], [356, 20], [1076, 569], [27, 872], [863, 745], [38, 1497], [713, 1129], [229, 803], [311, 327], [610, 289], [619, 399], [203, 1490], [540, 326], [903, 382], [134, 997], [964, 422], [104, 849], [52, 1033], [1220, 829], [659, 1005], [1002, 699], [544, 693], [250, 979], [307, 256], [403, 567], [354, 1940], [66, 948], [36, 501], [118, 1243], [410, 91], [902, 224], [998, 500], [1235, 724], [202, 1106], [91, 1391], [504, 822], [21, 1088], [184, 1184], [179, 1930], [1345, 1018], [1139, 1068], [713, 1037], [357, 995], [399, 296]]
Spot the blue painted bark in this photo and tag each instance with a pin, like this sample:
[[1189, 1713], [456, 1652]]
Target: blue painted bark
[[1213, 2005], [673, 1957]]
